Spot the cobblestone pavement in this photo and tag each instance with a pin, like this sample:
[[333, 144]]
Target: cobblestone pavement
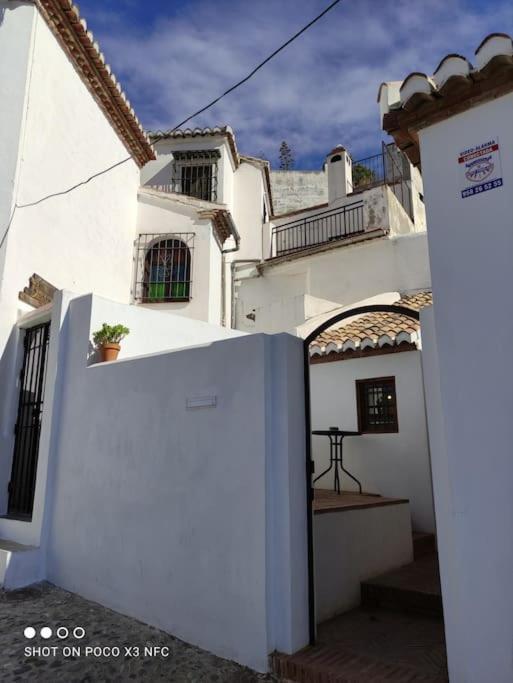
[[45, 605]]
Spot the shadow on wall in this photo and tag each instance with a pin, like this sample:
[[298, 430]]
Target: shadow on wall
[[93, 354], [10, 363]]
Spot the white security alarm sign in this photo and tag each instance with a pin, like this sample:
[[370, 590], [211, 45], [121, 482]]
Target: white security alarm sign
[[480, 168]]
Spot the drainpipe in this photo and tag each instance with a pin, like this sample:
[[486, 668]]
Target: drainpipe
[[236, 236], [232, 291]]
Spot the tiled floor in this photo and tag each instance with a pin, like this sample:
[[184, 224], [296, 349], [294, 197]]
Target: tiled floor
[[329, 501], [415, 642], [363, 646]]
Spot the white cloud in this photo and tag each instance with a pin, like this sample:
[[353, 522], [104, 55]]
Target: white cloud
[[319, 92]]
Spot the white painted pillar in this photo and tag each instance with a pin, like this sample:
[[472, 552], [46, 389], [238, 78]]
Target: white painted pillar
[[471, 256]]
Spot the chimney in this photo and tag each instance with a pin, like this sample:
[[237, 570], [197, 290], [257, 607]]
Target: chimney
[[340, 173]]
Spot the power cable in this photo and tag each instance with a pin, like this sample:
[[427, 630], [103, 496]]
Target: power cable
[[161, 135], [257, 68]]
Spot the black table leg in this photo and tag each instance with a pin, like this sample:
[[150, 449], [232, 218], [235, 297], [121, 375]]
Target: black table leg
[[341, 461], [336, 459]]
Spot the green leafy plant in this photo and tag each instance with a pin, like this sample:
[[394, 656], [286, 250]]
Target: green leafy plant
[[363, 175], [110, 334]]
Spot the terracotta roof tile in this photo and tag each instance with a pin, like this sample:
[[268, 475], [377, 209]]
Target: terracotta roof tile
[[374, 329], [455, 85], [63, 19], [224, 131]]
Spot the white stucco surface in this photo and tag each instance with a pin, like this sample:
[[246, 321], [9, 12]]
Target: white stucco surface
[[248, 210], [151, 331], [15, 47], [340, 274], [154, 330], [352, 546], [19, 565], [159, 172], [471, 247], [160, 215], [191, 519], [394, 465], [83, 240]]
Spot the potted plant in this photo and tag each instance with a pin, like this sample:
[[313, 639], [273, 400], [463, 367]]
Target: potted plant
[[107, 340]]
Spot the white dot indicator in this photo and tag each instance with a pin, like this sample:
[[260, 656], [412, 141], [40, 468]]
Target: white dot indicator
[[29, 632], [79, 632], [46, 632]]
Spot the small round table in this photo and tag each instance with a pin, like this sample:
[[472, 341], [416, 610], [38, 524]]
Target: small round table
[[336, 436]]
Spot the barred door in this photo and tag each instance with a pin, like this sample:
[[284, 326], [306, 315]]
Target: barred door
[[28, 421]]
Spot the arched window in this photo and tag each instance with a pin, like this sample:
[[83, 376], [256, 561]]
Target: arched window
[[167, 271]]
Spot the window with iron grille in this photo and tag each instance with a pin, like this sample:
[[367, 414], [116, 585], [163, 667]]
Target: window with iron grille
[[377, 405], [195, 174], [164, 267]]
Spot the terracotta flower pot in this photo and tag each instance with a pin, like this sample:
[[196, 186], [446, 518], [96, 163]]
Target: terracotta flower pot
[[110, 352]]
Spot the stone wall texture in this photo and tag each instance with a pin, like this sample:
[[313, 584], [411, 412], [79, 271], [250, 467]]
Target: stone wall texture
[[293, 190]]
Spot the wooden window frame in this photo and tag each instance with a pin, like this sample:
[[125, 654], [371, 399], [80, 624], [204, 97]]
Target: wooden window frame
[[361, 403]]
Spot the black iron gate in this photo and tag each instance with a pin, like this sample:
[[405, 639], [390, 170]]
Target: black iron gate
[[28, 421]]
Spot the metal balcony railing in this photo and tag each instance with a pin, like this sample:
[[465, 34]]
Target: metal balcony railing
[[388, 168], [317, 229]]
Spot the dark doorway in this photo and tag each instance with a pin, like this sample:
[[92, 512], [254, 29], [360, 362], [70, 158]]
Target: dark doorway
[[376, 308], [28, 422]]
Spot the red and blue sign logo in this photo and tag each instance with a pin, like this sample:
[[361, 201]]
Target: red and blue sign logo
[[481, 168]]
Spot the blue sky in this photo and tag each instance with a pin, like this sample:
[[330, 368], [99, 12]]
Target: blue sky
[[173, 57]]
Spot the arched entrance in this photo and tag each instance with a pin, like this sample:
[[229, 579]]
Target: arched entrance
[[351, 313]]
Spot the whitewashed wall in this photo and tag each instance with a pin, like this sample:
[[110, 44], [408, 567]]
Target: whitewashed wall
[[82, 240], [248, 210], [158, 173], [163, 215], [341, 274], [471, 247], [15, 49], [393, 465], [150, 332], [193, 520], [352, 546]]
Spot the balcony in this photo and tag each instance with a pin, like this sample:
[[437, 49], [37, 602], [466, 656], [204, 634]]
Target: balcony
[[367, 208], [317, 229], [391, 168]]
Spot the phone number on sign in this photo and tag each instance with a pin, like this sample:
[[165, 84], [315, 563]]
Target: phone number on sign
[[481, 188]]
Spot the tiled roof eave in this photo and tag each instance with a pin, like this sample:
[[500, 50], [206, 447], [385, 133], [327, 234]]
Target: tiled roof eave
[[63, 19], [374, 331], [469, 94], [455, 86], [181, 133]]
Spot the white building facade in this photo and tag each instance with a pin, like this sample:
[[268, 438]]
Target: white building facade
[[228, 196], [457, 123], [82, 241], [179, 241]]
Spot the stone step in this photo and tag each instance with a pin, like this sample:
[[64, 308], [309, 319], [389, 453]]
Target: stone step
[[414, 588], [423, 544], [334, 664], [20, 565]]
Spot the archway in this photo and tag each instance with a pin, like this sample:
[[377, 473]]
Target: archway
[[351, 313]]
